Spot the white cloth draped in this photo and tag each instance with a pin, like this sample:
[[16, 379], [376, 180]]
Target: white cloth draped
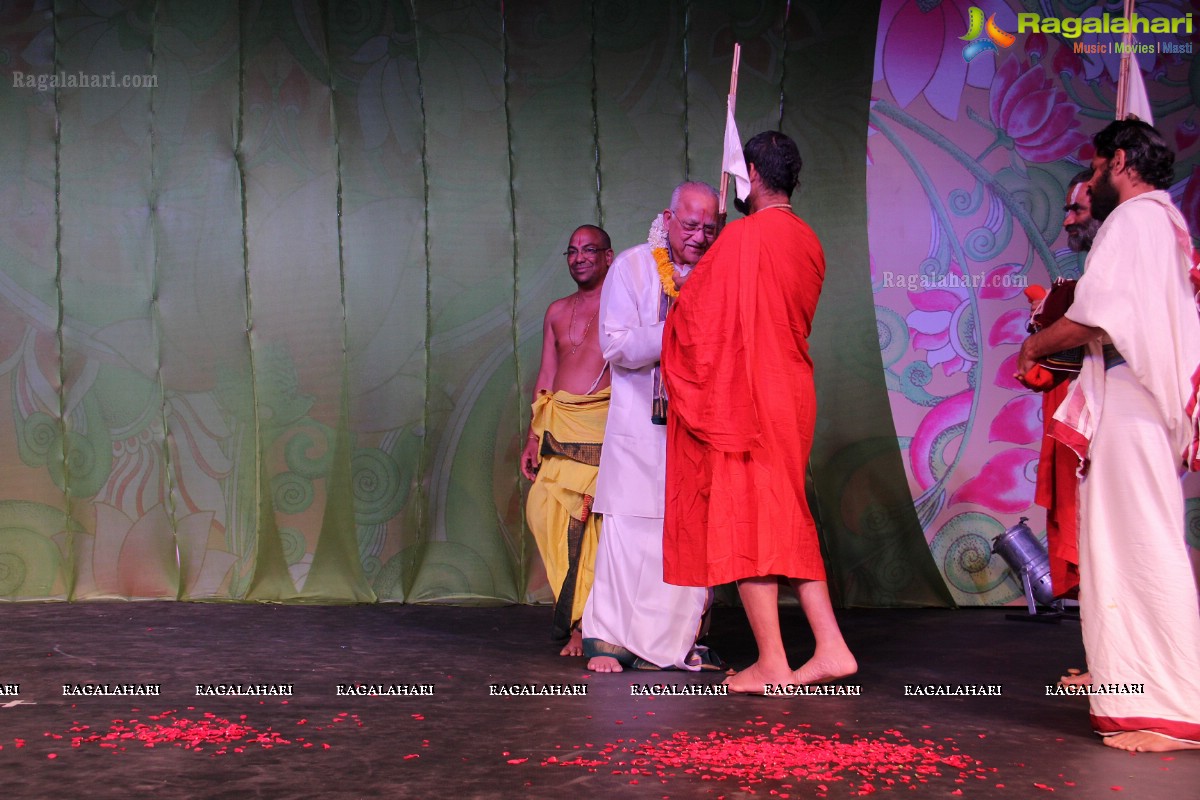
[[1136, 288], [630, 605], [633, 469], [1138, 601], [1141, 620]]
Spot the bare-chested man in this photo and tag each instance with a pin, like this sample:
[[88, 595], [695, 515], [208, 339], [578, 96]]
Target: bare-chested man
[[562, 454]]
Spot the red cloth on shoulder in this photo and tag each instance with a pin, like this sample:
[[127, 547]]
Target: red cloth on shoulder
[[742, 407]]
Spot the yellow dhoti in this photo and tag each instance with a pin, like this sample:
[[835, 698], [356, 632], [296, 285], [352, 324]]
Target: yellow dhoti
[[559, 509]]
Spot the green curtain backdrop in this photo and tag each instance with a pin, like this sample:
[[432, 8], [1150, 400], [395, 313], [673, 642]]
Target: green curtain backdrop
[[272, 299]]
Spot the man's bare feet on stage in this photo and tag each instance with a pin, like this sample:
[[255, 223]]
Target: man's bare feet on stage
[[1075, 678], [574, 645], [826, 666], [753, 678], [604, 664], [1147, 742]]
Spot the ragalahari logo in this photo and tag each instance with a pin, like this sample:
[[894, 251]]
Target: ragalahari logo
[[982, 36]]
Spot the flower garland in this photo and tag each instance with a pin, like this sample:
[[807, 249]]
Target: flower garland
[[657, 239]]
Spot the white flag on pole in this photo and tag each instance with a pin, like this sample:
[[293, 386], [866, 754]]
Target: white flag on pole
[[1136, 101], [733, 162]]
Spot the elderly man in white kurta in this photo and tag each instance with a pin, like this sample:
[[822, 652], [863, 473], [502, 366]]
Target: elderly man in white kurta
[[1131, 416], [632, 617]]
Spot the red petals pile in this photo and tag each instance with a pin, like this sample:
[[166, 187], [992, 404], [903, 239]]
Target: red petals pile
[[207, 732], [784, 757]]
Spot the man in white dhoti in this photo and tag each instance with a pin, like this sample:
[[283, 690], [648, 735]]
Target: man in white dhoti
[[633, 618], [1132, 417]]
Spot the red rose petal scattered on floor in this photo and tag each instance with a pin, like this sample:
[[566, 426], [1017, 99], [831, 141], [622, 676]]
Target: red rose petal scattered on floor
[[517, 760], [1117, 788], [751, 756], [206, 732]]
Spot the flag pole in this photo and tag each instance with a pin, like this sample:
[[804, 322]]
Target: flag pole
[[732, 102], [1126, 55]]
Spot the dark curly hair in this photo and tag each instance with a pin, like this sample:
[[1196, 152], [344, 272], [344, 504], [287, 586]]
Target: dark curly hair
[[777, 160], [1145, 150]]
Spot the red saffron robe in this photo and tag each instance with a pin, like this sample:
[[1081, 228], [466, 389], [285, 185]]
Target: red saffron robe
[[1057, 492], [742, 408]]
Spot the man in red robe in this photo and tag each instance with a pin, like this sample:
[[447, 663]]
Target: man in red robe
[[1057, 489], [740, 418]]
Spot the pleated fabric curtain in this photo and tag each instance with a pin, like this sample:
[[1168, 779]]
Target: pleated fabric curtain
[[273, 300]]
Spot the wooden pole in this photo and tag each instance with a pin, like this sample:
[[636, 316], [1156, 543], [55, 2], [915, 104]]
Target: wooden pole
[[1123, 75], [732, 102]]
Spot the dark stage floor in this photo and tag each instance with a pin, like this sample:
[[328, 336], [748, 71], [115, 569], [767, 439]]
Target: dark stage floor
[[462, 741]]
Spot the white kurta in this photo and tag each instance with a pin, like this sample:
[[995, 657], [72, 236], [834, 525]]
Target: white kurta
[[1138, 600], [630, 605], [633, 465]]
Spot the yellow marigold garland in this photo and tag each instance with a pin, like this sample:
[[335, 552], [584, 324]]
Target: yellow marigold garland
[[666, 271], [662, 256]]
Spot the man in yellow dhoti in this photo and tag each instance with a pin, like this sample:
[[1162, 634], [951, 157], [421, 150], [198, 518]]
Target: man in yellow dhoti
[[562, 454]]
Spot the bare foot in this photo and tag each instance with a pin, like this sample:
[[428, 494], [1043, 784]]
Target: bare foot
[[1147, 742], [1075, 678], [604, 664], [754, 678], [825, 666], [574, 645]]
